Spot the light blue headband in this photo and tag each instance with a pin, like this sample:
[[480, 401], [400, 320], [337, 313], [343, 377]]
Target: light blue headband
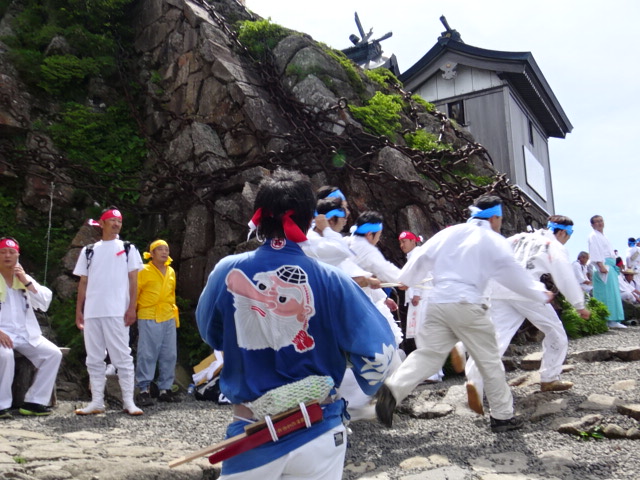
[[566, 228], [336, 212], [495, 211], [368, 228], [337, 194]]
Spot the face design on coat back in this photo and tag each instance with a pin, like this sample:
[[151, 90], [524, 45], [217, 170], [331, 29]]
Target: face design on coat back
[[273, 310]]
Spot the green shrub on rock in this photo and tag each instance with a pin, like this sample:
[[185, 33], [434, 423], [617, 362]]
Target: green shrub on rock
[[261, 37], [383, 77], [425, 141], [380, 115]]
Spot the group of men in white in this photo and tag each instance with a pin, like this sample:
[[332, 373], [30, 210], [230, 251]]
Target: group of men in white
[[467, 289]]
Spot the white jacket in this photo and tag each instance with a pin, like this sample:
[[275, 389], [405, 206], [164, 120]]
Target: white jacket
[[39, 301], [463, 258], [539, 253]]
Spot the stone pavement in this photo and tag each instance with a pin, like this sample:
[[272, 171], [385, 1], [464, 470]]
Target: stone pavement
[[455, 444]]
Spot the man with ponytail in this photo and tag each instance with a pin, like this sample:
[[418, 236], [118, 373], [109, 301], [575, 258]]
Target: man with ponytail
[[287, 325]]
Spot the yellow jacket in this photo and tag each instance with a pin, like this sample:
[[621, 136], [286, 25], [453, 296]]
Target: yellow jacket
[[157, 294]]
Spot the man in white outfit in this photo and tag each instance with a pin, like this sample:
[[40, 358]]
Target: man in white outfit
[[462, 258], [325, 243], [540, 252], [415, 297], [629, 291], [20, 294], [605, 273], [633, 256], [363, 241], [106, 308], [581, 272]]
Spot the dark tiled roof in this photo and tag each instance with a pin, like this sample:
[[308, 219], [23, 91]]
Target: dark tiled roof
[[519, 69]]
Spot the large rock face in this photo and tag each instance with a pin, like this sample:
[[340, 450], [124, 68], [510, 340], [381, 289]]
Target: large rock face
[[217, 122]]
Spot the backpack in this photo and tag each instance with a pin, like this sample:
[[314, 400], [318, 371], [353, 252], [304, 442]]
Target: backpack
[[211, 391], [88, 251]]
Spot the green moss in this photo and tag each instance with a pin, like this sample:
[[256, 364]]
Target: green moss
[[90, 29], [479, 180], [61, 72], [106, 142], [380, 116], [429, 107], [261, 37], [27, 62], [383, 77], [339, 159], [155, 77], [426, 142], [4, 4], [349, 67]]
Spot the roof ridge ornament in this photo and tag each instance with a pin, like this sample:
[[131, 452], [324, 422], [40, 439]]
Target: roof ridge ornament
[[449, 33]]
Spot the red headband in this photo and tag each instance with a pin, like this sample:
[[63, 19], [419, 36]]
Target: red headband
[[111, 214], [291, 230], [409, 235], [8, 243]]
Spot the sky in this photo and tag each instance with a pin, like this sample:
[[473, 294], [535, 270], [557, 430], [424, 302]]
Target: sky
[[588, 51]]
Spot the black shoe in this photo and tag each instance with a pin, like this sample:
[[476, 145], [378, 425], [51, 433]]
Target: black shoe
[[6, 413], [144, 399], [34, 409], [385, 406], [513, 423], [168, 396]]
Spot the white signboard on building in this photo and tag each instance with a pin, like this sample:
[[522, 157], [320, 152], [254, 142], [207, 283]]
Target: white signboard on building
[[534, 172]]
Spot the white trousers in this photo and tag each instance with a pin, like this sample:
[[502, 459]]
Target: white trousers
[[108, 335], [507, 316], [46, 357], [319, 459], [446, 324]]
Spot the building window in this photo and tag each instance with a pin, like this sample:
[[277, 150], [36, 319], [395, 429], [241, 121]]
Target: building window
[[456, 112], [530, 133]]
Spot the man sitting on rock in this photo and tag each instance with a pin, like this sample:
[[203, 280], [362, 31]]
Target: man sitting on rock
[[19, 331], [629, 291]]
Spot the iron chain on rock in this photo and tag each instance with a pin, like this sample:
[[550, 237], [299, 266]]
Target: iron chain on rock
[[310, 137]]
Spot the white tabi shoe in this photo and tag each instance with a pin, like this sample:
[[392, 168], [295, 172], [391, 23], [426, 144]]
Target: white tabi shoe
[[94, 408], [131, 409]]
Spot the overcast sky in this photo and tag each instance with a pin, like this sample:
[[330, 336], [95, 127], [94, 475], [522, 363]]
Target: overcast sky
[[587, 50]]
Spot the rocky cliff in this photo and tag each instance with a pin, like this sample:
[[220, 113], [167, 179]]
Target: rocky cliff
[[218, 113]]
